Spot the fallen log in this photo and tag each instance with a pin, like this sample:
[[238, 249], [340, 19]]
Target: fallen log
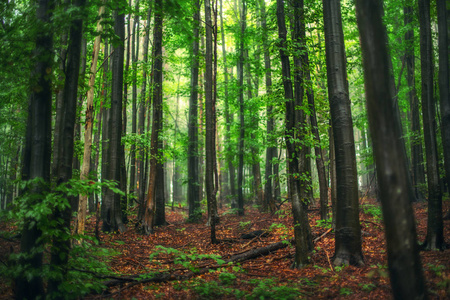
[[165, 276]]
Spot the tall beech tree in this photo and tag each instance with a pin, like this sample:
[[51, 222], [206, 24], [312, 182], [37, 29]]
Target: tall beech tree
[[210, 144], [111, 204], [405, 268], [150, 202], [240, 70], [61, 243], [193, 160], [435, 226], [37, 154], [348, 231], [301, 226]]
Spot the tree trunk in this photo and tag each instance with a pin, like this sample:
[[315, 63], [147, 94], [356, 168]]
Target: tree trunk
[[209, 124], [89, 124], [140, 161], [348, 231], [37, 155], [61, 244], [435, 234], [407, 279], [444, 84], [243, 23], [418, 173], [301, 225], [193, 160], [134, 57], [111, 206], [150, 203]]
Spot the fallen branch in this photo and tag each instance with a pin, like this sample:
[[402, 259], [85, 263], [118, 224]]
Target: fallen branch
[[324, 234], [164, 276]]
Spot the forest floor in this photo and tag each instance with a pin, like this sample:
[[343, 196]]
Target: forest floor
[[195, 268]]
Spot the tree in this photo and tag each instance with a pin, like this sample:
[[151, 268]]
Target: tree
[[111, 205], [348, 231], [444, 93], [418, 173], [303, 243], [243, 24], [407, 279], [150, 203], [210, 144], [37, 154], [435, 234], [193, 168], [89, 124]]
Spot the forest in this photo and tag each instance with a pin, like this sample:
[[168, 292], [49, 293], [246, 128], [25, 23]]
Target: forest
[[246, 149]]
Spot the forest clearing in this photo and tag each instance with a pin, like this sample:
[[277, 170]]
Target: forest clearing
[[268, 276]]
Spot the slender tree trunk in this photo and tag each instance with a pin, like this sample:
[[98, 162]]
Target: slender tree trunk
[[193, 159], [348, 231], [418, 173], [89, 124], [141, 165], [150, 203], [435, 234], [134, 57], [209, 123], [407, 279], [228, 118], [243, 22], [444, 83], [37, 155]]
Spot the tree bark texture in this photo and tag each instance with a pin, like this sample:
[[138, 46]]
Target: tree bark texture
[[348, 231], [405, 268]]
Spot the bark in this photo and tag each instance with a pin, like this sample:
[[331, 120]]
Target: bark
[[61, 244], [111, 206], [435, 235], [89, 124], [243, 24], [209, 123], [193, 159], [348, 231], [418, 173], [37, 153], [301, 225], [444, 84], [407, 279], [150, 203]]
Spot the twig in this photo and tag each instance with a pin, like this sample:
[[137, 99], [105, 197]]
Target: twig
[[328, 257], [324, 234]]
